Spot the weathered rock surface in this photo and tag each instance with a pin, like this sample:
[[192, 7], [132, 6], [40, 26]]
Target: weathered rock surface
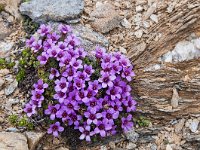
[[13, 141], [5, 30], [105, 17], [89, 38], [48, 10], [11, 88], [12, 8], [5, 49], [33, 139]]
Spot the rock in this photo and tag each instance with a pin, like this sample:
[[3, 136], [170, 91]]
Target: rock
[[131, 145], [179, 125], [13, 141], [1, 82], [33, 139], [175, 98], [5, 49], [168, 147], [1, 120], [4, 32], [62, 148], [105, 17], [194, 125], [154, 18], [47, 10], [150, 11], [139, 8], [132, 135], [103, 147], [122, 50], [11, 88], [4, 72], [12, 130], [126, 23], [12, 8], [89, 38], [139, 33]]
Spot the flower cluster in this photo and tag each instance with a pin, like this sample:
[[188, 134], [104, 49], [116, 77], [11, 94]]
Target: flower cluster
[[93, 96]]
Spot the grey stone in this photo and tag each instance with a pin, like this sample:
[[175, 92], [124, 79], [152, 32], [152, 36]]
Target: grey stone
[[48, 10], [13, 141], [12, 129], [11, 88], [105, 17], [1, 82], [89, 38], [131, 145], [194, 125], [5, 49], [132, 135], [33, 139]]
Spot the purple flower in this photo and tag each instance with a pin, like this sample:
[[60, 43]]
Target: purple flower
[[127, 123], [106, 68], [76, 63], [80, 95], [52, 110], [99, 52], [40, 86], [88, 69], [128, 73], [107, 80], [30, 41], [48, 44], [95, 86], [62, 113], [62, 45], [125, 62], [53, 36], [44, 30], [72, 40], [71, 106], [92, 117], [36, 46], [36, 102], [60, 96], [107, 58], [94, 105], [114, 92], [81, 52], [102, 127], [43, 58], [64, 28], [61, 85], [116, 68], [37, 95], [130, 104], [110, 114], [73, 118], [86, 133], [116, 105], [83, 76], [79, 84], [53, 51], [55, 128], [60, 54], [30, 109], [65, 61], [54, 73], [89, 94], [69, 73]]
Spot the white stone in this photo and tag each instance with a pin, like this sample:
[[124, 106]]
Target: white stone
[[126, 23], [168, 147], [131, 145], [197, 43], [184, 51], [154, 18], [11, 88], [139, 33], [5, 49], [139, 8], [194, 125], [123, 50]]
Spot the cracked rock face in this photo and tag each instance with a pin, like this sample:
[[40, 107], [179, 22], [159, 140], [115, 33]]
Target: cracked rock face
[[13, 141], [48, 10]]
